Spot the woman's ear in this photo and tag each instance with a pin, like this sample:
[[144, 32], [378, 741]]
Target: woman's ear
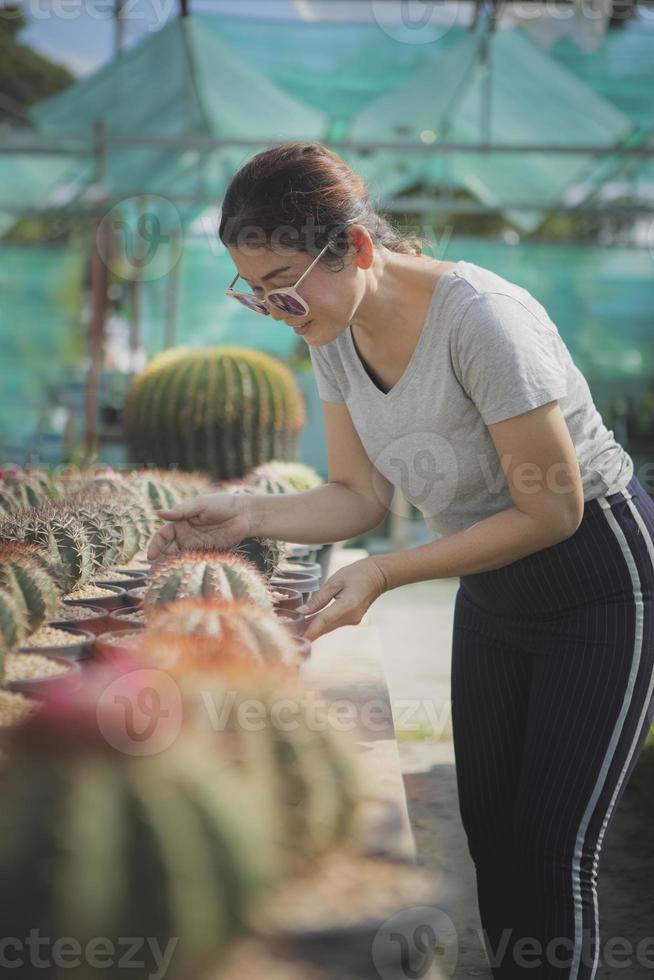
[[364, 250]]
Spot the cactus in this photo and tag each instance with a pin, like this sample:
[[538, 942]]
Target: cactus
[[14, 624], [298, 475], [237, 630], [37, 585], [208, 574], [307, 768], [264, 553], [61, 534], [269, 483], [223, 410], [159, 494], [97, 841]]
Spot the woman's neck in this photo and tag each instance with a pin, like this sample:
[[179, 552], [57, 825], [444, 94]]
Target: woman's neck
[[398, 294]]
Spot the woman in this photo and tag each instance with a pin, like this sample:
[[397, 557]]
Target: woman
[[453, 383]]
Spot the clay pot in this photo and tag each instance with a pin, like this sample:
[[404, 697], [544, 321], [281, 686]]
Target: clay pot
[[118, 620], [114, 644], [93, 624], [114, 601], [78, 649], [135, 597], [292, 598]]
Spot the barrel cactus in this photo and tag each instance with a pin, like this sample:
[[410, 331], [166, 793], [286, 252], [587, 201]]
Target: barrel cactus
[[237, 631], [14, 621], [21, 567], [207, 574], [307, 768], [61, 534], [222, 410], [298, 475], [96, 841]]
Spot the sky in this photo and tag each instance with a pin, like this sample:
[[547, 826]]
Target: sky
[[81, 33]]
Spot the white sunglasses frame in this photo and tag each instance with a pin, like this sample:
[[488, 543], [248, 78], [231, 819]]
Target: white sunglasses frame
[[285, 290]]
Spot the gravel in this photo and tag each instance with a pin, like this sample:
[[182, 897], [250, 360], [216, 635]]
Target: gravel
[[89, 592], [48, 636], [30, 666], [14, 708]]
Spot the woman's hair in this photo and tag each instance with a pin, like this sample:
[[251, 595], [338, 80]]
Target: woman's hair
[[298, 196]]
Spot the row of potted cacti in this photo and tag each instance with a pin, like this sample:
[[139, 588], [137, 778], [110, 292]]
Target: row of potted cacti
[[133, 810], [78, 548]]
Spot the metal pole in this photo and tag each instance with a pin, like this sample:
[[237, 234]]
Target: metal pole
[[100, 246]]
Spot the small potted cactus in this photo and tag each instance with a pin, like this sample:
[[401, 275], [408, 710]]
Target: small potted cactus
[[206, 574]]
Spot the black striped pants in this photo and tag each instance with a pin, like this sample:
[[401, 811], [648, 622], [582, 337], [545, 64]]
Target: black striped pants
[[552, 683]]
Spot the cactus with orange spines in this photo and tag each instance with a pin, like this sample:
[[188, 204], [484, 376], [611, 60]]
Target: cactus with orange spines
[[264, 722], [206, 574], [233, 630]]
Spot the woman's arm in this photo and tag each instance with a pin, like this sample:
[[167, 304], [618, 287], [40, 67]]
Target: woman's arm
[[542, 473], [332, 512]]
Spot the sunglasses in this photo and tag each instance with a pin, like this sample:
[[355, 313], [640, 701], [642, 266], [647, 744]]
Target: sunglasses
[[287, 299]]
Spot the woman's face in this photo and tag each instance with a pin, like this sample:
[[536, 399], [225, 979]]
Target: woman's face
[[332, 296]]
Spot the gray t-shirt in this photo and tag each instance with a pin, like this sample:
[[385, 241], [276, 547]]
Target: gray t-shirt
[[487, 351]]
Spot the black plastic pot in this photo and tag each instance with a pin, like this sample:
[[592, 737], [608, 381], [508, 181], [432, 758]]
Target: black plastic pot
[[114, 601], [78, 649]]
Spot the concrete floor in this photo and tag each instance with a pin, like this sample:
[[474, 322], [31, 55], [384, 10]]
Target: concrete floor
[[415, 630]]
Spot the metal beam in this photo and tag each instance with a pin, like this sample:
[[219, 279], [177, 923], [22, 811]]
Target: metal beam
[[207, 143]]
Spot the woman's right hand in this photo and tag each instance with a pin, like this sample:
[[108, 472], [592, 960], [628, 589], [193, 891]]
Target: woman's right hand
[[210, 520]]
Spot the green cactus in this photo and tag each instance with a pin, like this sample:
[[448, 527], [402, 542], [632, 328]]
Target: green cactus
[[223, 410], [37, 585], [159, 494], [61, 534], [14, 623], [298, 475], [99, 842], [237, 630], [264, 553], [307, 767], [208, 574]]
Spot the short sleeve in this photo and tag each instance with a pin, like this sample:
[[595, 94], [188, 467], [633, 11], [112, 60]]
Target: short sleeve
[[324, 374], [507, 359]]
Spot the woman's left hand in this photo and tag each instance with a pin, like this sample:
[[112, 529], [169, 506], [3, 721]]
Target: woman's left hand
[[353, 588]]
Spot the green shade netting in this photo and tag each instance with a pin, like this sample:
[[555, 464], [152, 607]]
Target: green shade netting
[[548, 105], [600, 299], [40, 341], [239, 78], [622, 71], [204, 89]]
